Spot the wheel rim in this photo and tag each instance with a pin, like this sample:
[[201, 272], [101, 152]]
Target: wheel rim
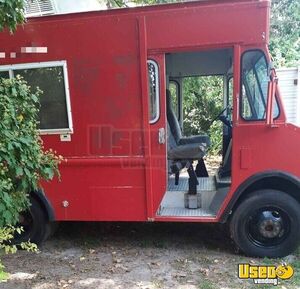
[[268, 226]]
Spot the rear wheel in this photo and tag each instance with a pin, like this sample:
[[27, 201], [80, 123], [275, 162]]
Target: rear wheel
[[35, 225], [267, 224]]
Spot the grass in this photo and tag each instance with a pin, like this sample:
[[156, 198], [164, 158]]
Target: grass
[[207, 284], [263, 286], [295, 280], [268, 261], [3, 276]]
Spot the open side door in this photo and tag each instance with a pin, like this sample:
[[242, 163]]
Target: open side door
[[157, 164]]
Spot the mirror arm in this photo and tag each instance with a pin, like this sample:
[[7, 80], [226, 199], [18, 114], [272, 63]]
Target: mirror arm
[[271, 96]]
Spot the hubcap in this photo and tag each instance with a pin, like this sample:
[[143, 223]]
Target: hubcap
[[268, 226]]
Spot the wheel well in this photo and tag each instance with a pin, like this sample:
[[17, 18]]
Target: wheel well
[[267, 180], [272, 182], [39, 197]]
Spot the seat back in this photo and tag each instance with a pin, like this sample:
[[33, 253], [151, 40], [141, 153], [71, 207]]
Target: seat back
[[172, 119], [193, 148]]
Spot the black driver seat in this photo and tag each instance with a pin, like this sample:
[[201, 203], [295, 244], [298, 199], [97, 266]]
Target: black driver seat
[[183, 148], [182, 151]]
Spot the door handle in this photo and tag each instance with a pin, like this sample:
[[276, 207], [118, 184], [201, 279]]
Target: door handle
[[161, 136]]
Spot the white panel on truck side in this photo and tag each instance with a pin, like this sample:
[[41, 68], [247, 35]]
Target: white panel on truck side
[[35, 8], [290, 91]]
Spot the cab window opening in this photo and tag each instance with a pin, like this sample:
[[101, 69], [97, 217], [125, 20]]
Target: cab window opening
[[254, 88]]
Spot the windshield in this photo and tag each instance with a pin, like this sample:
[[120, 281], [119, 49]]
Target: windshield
[[255, 86]]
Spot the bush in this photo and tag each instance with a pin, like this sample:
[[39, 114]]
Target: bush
[[203, 100], [23, 163], [11, 14]]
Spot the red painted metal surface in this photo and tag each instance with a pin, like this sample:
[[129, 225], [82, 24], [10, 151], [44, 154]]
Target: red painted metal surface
[[115, 168]]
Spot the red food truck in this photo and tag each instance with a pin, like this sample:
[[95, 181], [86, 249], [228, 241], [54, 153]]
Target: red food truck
[[112, 107]]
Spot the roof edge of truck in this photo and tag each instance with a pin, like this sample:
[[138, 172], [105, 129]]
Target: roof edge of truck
[[145, 9]]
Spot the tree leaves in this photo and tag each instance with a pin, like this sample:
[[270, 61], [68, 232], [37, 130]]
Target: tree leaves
[[22, 159], [11, 14], [285, 32], [202, 102]]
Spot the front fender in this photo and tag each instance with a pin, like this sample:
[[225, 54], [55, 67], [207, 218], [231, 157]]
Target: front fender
[[285, 176]]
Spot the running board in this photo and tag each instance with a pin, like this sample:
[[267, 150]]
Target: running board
[[183, 212]]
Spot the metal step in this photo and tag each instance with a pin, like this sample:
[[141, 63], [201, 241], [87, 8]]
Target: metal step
[[222, 182], [205, 184], [173, 203], [175, 199], [183, 212]]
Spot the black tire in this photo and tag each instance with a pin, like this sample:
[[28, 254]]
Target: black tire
[[35, 224], [51, 229], [267, 224]]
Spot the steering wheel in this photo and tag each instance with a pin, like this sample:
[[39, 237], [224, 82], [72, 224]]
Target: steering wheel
[[222, 118]]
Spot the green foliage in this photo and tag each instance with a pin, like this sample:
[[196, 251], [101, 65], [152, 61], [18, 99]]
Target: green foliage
[[22, 160], [11, 14], [215, 133], [13, 194], [203, 100], [3, 275], [23, 163], [285, 32], [206, 284], [6, 236]]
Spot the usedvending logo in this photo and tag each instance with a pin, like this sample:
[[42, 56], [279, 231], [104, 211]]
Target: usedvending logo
[[261, 274]]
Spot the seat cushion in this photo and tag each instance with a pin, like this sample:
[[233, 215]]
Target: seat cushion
[[192, 151], [200, 139]]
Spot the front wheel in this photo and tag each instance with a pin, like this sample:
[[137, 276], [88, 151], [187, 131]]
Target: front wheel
[[267, 224]]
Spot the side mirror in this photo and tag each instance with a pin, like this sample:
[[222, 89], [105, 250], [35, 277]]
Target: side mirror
[[272, 86]]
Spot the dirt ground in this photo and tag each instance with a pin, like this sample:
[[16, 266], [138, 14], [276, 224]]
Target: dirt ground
[[134, 255], [137, 255]]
